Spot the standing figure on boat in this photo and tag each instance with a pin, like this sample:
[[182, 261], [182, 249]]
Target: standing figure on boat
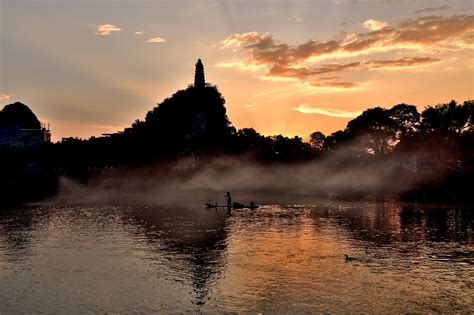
[[229, 199]]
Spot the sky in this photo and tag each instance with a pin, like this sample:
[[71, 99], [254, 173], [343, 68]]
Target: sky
[[284, 67]]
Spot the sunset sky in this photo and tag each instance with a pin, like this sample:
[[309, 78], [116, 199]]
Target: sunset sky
[[284, 67]]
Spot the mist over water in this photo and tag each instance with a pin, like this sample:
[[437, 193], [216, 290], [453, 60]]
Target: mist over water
[[141, 240], [242, 177], [280, 258]]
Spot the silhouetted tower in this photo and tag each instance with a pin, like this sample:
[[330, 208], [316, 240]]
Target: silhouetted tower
[[199, 80]]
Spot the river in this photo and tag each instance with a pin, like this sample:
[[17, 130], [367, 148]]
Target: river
[[280, 258]]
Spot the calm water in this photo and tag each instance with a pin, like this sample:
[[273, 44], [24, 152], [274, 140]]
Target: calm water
[[277, 259]]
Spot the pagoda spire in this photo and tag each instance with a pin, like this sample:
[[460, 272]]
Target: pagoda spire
[[199, 80]]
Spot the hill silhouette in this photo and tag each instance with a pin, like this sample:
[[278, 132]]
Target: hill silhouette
[[26, 169], [18, 115], [194, 118]]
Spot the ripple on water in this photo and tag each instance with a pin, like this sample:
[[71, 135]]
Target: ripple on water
[[279, 258]]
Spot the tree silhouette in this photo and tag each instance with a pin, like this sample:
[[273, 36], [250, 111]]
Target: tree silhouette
[[199, 80], [449, 119], [406, 117], [317, 140], [445, 124], [374, 131]]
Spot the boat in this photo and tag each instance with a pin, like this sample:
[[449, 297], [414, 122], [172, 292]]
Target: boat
[[211, 205], [235, 205]]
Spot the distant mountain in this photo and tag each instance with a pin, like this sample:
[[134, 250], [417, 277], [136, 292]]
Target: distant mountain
[[18, 115]]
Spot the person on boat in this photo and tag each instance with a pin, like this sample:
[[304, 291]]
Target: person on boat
[[229, 199]]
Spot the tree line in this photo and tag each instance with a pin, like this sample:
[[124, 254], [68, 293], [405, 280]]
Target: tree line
[[193, 124]]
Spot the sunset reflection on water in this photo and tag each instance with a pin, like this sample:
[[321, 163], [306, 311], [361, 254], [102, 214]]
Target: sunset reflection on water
[[407, 258]]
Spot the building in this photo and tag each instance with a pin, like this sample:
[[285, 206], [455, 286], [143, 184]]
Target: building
[[20, 128], [24, 138]]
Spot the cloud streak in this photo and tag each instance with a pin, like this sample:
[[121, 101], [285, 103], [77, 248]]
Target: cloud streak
[[312, 74], [332, 112], [400, 63], [294, 61], [156, 40], [429, 10], [6, 97], [106, 29]]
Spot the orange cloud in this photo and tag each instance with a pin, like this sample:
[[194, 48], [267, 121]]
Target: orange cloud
[[311, 74], [374, 25], [6, 97], [304, 72], [106, 29], [400, 63], [332, 112], [424, 31], [430, 30], [334, 84], [291, 61]]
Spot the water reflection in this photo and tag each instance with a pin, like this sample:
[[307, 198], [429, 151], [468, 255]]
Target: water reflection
[[285, 259], [195, 240], [385, 223], [20, 231]]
